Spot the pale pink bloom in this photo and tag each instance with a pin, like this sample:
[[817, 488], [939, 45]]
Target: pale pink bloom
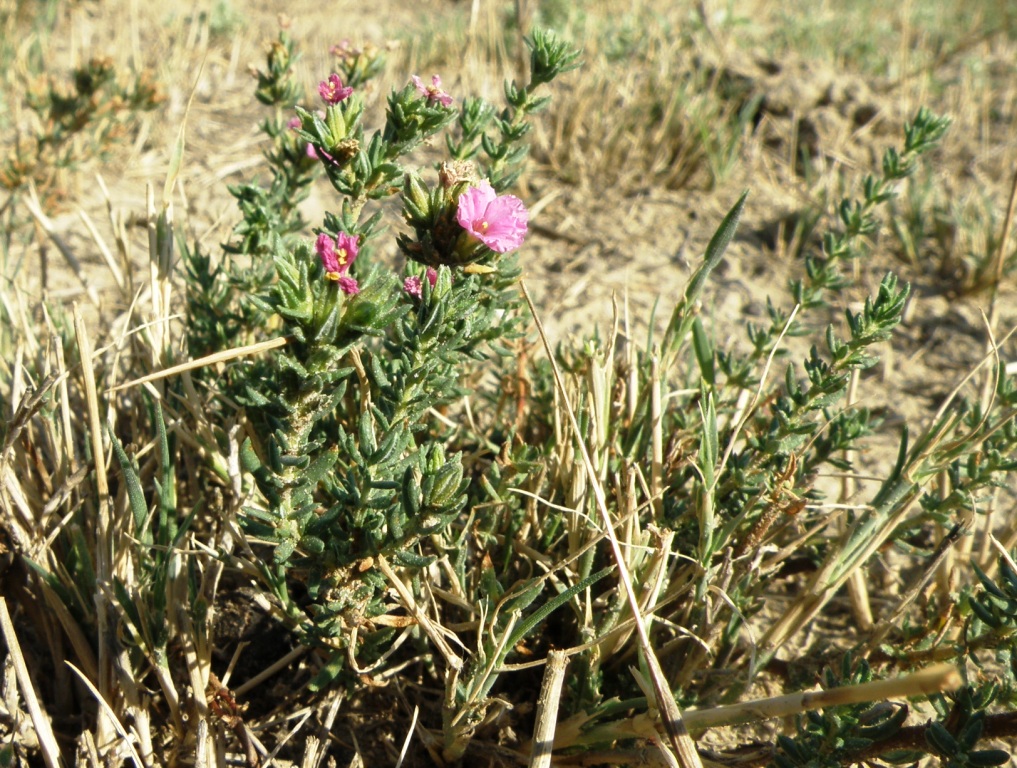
[[415, 286], [433, 92], [499, 222], [344, 50], [337, 255], [295, 124], [332, 90]]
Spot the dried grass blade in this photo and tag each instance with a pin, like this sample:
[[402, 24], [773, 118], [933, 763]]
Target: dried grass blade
[[31, 201], [201, 362], [450, 656], [104, 523], [104, 251], [935, 679], [313, 751], [409, 737], [547, 709], [82, 648], [43, 729], [270, 670]]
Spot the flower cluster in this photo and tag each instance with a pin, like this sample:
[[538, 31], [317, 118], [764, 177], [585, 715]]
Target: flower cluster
[[488, 221], [346, 51], [336, 257], [414, 286]]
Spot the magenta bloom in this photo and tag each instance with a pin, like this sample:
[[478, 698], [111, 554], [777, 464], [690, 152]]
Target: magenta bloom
[[294, 124], [415, 286], [433, 92], [332, 90], [499, 222], [337, 256], [314, 154], [348, 285]]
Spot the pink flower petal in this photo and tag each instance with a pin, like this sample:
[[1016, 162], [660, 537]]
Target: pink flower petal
[[473, 203], [336, 255], [432, 92], [325, 247], [346, 250]]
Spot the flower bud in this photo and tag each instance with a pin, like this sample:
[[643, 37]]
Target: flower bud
[[417, 197], [336, 125]]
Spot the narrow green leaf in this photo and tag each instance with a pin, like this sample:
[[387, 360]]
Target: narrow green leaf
[[703, 346], [135, 494], [681, 319], [531, 621]]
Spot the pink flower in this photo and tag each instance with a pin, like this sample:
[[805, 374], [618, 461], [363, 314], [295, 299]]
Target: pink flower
[[348, 285], [415, 286], [336, 257], [314, 154], [332, 90], [497, 222], [343, 49], [346, 51], [433, 92]]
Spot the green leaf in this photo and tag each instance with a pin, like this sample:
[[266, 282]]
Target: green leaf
[[987, 758], [682, 317], [135, 494], [703, 346], [941, 740], [329, 672], [409, 559], [530, 622]]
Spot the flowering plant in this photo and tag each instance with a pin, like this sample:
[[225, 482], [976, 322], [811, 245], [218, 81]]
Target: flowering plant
[[350, 465]]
